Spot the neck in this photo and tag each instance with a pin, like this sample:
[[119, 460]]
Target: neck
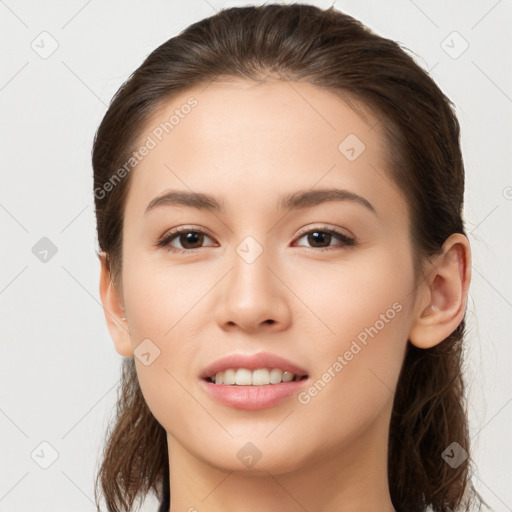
[[352, 478]]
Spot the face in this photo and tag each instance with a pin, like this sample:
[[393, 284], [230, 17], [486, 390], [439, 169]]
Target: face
[[298, 265]]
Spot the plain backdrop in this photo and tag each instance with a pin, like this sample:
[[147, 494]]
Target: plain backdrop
[[61, 63]]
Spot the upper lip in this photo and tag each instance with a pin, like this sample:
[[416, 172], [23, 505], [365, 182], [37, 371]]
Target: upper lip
[[251, 362]]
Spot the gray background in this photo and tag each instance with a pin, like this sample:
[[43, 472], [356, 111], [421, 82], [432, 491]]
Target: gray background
[[59, 369]]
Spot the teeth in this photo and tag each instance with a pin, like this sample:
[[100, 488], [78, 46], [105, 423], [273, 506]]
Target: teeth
[[259, 377], [243, 377], [287, 376], [228, 378], [275, 376]]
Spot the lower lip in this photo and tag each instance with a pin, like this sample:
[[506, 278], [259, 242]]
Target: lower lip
[[253, 397]]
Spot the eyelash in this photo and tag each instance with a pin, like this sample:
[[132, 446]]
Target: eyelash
[[168, 238]]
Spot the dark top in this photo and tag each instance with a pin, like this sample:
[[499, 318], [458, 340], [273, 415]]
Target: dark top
[[164, 506], [166, 493]]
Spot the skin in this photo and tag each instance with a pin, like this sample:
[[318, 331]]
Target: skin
[[247, 144]]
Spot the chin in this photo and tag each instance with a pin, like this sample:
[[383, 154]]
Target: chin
[[255, 456]]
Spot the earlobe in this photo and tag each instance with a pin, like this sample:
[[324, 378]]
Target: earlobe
[[113, 308], [442, 296]]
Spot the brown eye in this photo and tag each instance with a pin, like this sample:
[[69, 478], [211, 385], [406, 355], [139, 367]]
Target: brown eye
[[189, 239], [322, 238]]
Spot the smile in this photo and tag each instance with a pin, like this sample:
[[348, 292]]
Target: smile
[[258, 377]]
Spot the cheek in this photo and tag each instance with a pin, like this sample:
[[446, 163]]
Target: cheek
[[161, 299], [355, 371], [164, 309], [360, 342], [366, 297]]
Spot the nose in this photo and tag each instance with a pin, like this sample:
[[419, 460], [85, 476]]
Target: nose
[[253, 296]]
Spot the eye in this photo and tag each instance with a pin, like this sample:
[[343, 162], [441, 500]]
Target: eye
[[190, 239], [322, 237]]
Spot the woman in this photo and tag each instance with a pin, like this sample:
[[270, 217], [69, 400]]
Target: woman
[[285, 270]]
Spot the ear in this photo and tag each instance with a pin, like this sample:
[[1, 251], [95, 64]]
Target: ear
[[114, 310], [442, 296]]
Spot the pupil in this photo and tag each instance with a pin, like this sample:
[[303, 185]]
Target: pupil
[[318, 235], [192, 238]]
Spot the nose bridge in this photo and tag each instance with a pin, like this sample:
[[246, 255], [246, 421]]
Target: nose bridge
[[251, 277], [252, 294]]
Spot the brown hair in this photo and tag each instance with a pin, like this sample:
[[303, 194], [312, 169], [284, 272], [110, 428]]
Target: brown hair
[[336, 52]]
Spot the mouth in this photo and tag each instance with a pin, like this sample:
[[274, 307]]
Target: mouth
[[252, 381]]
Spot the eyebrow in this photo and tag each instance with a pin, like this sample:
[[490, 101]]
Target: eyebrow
[[293, 201]]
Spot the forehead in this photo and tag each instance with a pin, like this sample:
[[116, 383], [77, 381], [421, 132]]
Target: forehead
[[241, 135], [246, 108]]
